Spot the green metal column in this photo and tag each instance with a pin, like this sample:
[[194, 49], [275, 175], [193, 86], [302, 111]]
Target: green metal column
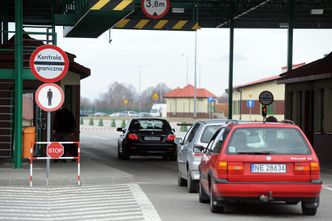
[[4, 20], [18, 82], [290, 34], [231, 61]]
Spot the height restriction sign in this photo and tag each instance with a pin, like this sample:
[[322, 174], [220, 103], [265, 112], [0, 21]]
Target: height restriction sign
[[155, 9], [49, 63], [49, 97]]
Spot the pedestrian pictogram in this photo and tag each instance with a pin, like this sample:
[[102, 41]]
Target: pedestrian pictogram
[[49, 97], [55, 150], [49, 63], [155, 9]]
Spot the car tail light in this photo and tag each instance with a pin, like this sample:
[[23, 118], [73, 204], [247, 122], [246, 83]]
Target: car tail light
[[314, 168], [171, 137], [132, 137], [235, 168], [302, 169], [222, 167]]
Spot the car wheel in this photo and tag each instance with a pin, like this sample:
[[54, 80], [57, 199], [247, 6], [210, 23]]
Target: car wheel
[[202, 196], [309, 211], [173, 157], [192, 185], [215, 206], [181, 181], [125, 154], [120, 156]]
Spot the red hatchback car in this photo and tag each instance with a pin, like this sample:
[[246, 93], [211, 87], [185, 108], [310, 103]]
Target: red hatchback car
[[260, 162]]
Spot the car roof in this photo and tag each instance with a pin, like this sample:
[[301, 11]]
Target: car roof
[[213, 121], [261, 125]]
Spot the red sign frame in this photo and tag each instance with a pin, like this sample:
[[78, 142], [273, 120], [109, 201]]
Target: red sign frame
[[156, 17], [47, 85], [35, 72]]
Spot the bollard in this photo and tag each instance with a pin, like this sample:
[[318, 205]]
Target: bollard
[[81, 121], [123, 124], [91, 122], [185, 128], [100, 122], [113, 123]]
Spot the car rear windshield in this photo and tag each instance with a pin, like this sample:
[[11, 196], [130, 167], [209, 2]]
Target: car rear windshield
[[146, 124], [267, 141], [208, 133]]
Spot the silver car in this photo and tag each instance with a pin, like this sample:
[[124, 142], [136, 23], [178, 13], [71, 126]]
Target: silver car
[[190, 151]]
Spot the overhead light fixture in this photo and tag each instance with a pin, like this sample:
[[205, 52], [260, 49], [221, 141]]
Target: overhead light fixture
[[317, 11], [283, 25], [178, 10]]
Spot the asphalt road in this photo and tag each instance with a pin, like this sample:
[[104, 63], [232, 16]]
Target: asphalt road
[[158, 180]]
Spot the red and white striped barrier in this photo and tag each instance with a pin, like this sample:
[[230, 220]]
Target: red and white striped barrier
[[78, 158]]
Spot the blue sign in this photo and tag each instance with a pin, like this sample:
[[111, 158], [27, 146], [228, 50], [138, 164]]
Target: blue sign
[[211, 99], [250, 103]]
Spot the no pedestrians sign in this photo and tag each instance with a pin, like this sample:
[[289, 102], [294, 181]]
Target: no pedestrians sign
[[49, 97], [49, 63]]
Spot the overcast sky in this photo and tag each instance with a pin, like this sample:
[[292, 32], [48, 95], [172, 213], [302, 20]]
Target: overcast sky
[[259, 53]]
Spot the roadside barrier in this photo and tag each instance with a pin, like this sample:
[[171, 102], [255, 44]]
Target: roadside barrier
[[100, 123], [78, 158], [123, 124], [91, 122], [113, 123]]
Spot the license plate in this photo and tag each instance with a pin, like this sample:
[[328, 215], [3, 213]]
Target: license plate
[[268, 168], [152, 138]]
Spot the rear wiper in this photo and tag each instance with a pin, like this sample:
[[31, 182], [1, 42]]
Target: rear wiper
[[255, 153]]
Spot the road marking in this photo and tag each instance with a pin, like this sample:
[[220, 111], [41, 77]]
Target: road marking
[[100, 202], [327, 188]]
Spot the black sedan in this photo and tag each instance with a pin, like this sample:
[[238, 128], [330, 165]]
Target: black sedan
[[147, 137]]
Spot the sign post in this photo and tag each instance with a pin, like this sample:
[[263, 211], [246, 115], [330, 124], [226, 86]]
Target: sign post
[[49, 64], [250, 105]]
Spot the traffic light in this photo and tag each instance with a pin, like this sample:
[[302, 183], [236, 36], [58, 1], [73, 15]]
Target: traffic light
[[264, 111]]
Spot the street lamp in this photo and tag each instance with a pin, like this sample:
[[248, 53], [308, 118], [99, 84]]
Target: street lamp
[[183, 54], [139, 86]]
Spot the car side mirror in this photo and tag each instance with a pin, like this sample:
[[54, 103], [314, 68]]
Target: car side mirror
[[120, 129], [198, 149], [178, 140]]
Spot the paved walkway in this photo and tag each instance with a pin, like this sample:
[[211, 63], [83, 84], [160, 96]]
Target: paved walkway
[[111, 202]]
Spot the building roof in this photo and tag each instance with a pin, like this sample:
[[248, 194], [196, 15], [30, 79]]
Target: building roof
[[7, 58], [321, 66], [263, 80], [188, 92]]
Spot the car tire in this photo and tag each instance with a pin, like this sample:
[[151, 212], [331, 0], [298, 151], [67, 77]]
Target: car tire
[[202, 196], [125, 155], [120, 156], [192, 185], [215, 206], [308, 211], [173, 157], [181, 181]]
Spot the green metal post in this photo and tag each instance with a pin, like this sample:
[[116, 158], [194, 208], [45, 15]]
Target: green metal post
[[18, 82], [230, 78], [290, 34], [4, 19]]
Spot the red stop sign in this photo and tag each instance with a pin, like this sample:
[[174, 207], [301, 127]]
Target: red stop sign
[[55, 150]]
